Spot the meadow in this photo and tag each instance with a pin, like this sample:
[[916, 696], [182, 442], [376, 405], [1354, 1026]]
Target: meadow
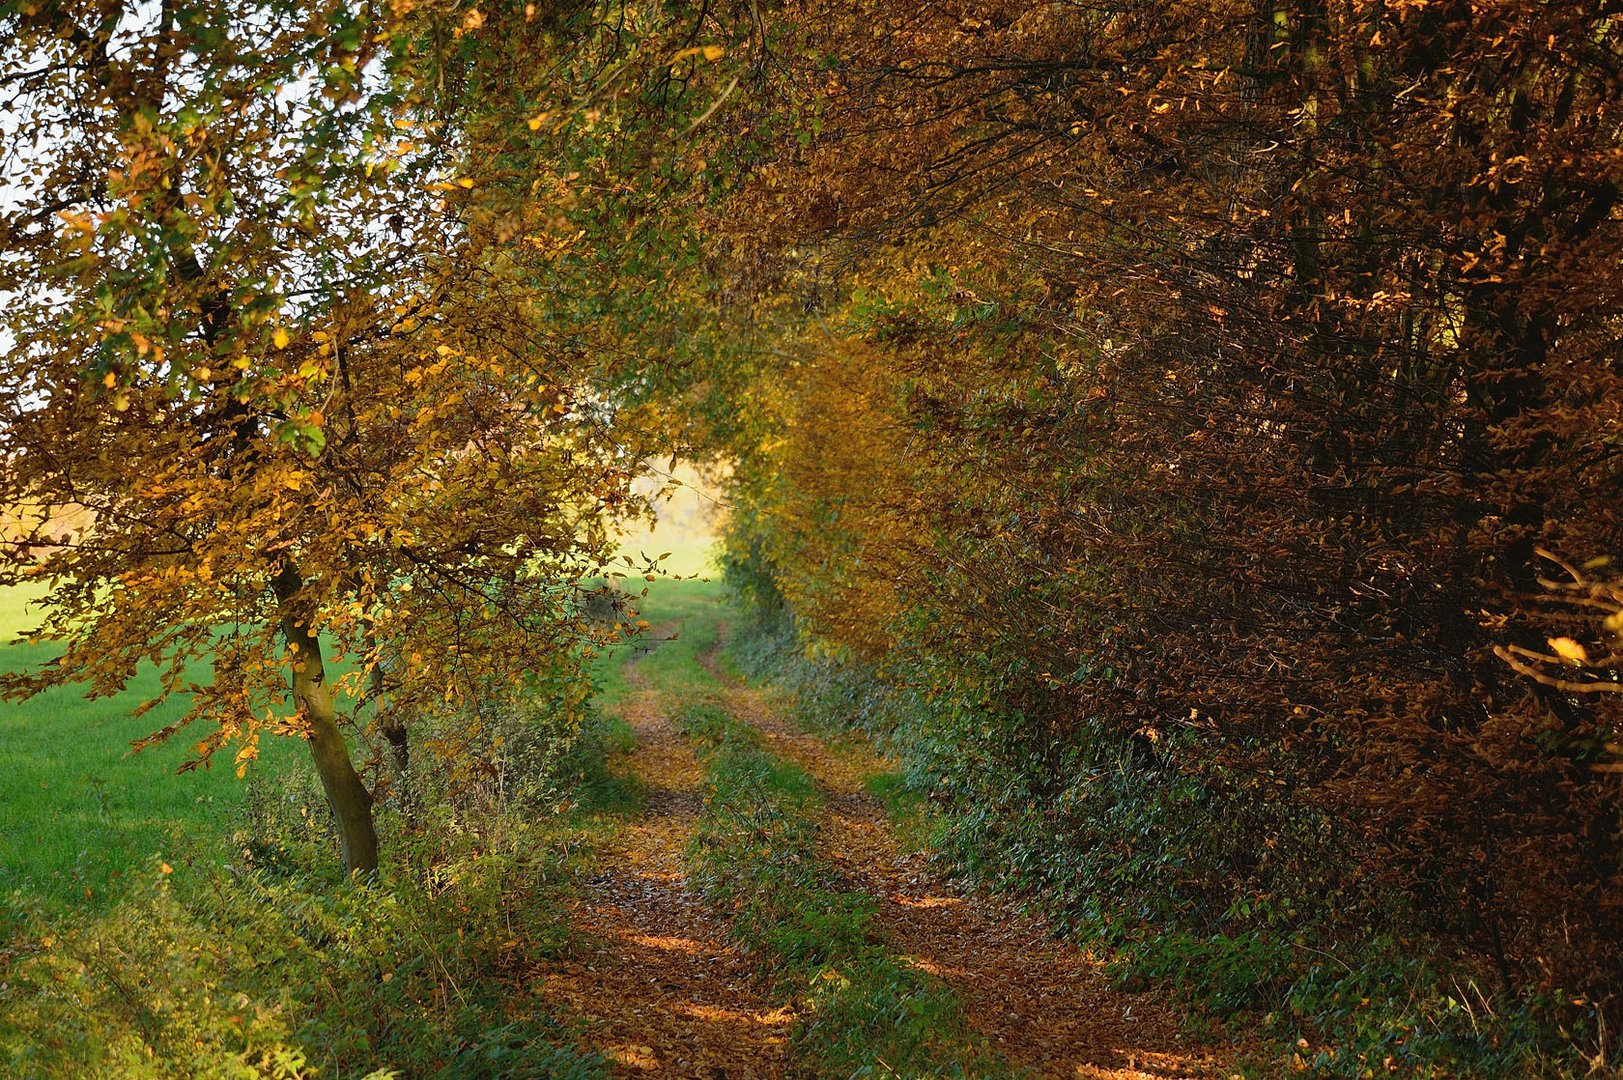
[[79, 811]]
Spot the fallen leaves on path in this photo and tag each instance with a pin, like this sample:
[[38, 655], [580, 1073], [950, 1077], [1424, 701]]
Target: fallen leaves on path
[[655, 983], [1046, 1005], [659, 990]]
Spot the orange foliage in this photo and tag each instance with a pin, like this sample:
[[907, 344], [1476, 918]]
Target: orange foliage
[[269, 346]]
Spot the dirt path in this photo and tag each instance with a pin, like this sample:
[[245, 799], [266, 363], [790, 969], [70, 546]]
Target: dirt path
[[657, 985], [659, 990], [1045, 1005]]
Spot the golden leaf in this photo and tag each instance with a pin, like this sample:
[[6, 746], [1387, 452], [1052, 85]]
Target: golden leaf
[[1569, 650]]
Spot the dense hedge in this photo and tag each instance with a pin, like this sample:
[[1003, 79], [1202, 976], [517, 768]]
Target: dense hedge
[[1205, 417]]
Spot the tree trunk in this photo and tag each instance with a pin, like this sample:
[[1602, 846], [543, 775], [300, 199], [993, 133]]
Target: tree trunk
[[346, 795]]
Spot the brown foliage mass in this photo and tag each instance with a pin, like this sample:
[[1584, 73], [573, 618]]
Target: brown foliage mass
[[1251, 352]]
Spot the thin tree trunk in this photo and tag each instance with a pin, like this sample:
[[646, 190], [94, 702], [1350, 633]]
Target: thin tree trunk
[[350, 802]]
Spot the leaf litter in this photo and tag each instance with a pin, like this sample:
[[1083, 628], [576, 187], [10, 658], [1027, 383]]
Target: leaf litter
[[659, 989]]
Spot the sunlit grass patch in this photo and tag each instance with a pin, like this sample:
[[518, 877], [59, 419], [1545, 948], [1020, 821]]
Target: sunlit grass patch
[[684, 622], [78, 809]]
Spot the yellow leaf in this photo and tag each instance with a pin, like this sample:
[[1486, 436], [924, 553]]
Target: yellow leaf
[[709, 52], [1569, 650], [279, 338]]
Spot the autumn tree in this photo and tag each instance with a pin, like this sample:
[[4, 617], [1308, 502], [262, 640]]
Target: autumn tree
[[308, 413]]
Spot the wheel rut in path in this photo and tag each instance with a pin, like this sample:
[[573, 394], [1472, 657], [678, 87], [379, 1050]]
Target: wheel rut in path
[[1046, 1005], [655, 983]]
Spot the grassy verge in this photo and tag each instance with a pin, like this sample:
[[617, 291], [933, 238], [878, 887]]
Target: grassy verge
[[866, 1012], [238, 951], [908, 810], [272, 967]]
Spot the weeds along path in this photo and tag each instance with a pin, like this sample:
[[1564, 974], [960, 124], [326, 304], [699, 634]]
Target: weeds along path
[[655, 983], [1046, 1006]]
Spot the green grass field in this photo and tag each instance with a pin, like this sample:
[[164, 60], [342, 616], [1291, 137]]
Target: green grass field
[[78, 810]]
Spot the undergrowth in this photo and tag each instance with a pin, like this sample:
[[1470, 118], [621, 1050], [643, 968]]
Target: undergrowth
[[1245, 906], [865, 1013], [260, 962]]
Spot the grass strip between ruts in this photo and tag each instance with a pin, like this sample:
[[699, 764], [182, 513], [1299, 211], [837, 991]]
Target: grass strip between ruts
[[865, 1011]]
